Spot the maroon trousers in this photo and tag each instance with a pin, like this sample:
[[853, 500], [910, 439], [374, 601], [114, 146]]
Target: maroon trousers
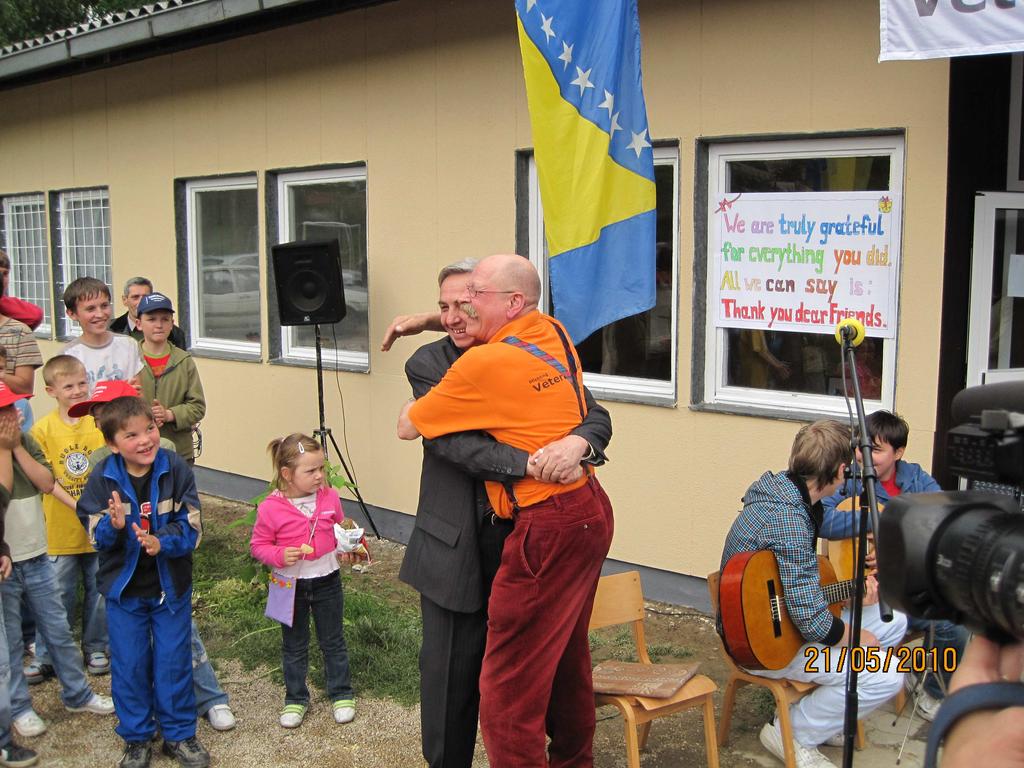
[[536, 677]]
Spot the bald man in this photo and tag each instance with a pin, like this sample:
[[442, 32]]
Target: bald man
[[522, 386]]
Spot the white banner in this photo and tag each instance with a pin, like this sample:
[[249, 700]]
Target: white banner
[[803, 261], [935, 29]]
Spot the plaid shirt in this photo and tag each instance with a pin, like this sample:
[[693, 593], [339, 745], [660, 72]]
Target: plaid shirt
[[777, 515]]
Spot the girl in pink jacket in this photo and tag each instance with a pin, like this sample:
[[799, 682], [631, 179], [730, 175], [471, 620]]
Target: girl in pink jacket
[[294, 535]]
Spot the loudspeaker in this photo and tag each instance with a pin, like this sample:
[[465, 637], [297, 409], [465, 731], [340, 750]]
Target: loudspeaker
[[309, 283]]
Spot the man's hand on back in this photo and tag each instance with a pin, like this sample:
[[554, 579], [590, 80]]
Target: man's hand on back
[[410, 325], [558, 462]]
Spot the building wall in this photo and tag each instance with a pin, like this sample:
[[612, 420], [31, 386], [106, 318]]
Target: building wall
[[429, 94]]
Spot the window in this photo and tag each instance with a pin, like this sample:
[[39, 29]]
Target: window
[[23, 237], [82, 244], [633, 358], [223, 265], [824, 245], [329, 204]]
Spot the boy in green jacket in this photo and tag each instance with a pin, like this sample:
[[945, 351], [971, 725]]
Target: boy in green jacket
[[170, 379]]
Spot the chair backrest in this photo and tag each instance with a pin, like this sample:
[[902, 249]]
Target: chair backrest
[[619, 600], [713, 582]]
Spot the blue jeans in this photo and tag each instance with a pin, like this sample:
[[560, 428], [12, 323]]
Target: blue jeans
[[940, 635], [35, 579], [207, 690], [94, 612], [151, 669], [322, 597], [5, 685]]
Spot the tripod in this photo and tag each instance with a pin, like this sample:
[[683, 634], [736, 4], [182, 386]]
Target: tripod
[[323, 433]]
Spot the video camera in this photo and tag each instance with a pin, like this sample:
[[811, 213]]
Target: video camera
[[960, 555]]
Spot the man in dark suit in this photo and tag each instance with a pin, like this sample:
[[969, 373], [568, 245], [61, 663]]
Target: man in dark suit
[[456, 544], [135, 290]]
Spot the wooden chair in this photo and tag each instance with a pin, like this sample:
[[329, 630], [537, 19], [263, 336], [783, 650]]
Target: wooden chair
[[785, 692], [619, 600]]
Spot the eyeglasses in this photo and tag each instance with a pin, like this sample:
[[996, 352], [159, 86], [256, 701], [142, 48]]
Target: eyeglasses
[[473, 291]]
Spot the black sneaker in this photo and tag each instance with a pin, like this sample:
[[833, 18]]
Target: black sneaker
[[136, 755], [13, 756], [189, 752]]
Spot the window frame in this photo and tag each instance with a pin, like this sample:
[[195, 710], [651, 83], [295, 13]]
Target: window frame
[[45, 329], [709, 390], [610, 386], [283, 349], [66, 328], [213, 345]]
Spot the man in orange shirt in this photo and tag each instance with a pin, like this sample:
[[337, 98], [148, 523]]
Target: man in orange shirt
[[522, 386]]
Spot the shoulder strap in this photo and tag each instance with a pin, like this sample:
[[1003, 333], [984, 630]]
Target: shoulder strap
[[571, 374]]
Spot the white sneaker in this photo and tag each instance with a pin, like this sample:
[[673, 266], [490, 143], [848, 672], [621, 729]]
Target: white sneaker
[[836, 740], [292, 715], [927, 705], [97, 705], [221, 717], [29, 724], [771, 739], [344, 711]]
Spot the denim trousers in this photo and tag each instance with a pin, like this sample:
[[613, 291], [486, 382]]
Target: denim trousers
[[536, 679], [35, 580], [940, 635], [322, 597], [151, 668], [5, 685], [207, 690], [69, 568]]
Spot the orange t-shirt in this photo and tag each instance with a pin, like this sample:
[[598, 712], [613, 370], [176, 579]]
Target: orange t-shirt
[[513, 395]]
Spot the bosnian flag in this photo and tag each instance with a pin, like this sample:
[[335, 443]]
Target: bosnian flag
[[581, 62]]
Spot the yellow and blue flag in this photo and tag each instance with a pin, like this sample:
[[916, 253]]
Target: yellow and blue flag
[[581, 62]]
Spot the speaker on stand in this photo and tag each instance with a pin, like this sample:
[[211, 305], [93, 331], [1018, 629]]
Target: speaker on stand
[[310, 291]]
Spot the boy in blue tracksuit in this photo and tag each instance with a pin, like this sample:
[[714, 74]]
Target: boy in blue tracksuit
[[142, 511], [889, 433]]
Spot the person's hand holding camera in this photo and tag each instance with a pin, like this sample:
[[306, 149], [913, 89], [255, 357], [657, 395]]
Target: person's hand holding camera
[[996, 734]]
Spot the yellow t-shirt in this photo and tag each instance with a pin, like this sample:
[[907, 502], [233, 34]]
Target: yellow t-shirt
[[517, 397], [67, 448]]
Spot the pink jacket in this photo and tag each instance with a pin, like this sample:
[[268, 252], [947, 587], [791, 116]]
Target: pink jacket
[[279, 524]]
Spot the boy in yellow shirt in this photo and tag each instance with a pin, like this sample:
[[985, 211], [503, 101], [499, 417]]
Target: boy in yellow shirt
[[67, 443]]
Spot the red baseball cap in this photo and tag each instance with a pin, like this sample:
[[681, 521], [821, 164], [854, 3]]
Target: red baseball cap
[[103, 392], [7, 397]]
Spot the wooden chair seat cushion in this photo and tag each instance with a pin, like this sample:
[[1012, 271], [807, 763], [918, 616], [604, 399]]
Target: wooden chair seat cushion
[[694, 691], [656, 681]]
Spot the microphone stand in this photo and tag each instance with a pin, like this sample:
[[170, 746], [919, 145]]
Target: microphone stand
[[867, 512], [324, 432]]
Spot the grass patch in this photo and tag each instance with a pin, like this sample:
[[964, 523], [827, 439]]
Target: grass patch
[[617, 643], [383, 637]]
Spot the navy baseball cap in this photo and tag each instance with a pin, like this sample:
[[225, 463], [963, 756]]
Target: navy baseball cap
[[153, 302]]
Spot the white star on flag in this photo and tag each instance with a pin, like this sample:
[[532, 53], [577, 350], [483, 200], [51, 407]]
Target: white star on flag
[[608, 103], [566, 54], [614, 126], [639, 142], [583, 79], [530, 4], [545, 26]]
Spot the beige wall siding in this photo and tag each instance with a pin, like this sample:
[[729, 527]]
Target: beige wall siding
[[429, 94]]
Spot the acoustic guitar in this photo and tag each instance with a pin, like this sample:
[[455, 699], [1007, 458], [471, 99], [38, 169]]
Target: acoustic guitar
[[756, 628], [843, 552]]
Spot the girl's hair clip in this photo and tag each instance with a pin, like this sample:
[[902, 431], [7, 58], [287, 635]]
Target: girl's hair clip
[[302, 448]]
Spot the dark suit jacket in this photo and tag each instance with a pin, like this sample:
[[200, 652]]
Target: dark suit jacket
[[442, 561], [120, 325]]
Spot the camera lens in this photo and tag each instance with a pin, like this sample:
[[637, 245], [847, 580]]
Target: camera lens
[[979, 568]]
